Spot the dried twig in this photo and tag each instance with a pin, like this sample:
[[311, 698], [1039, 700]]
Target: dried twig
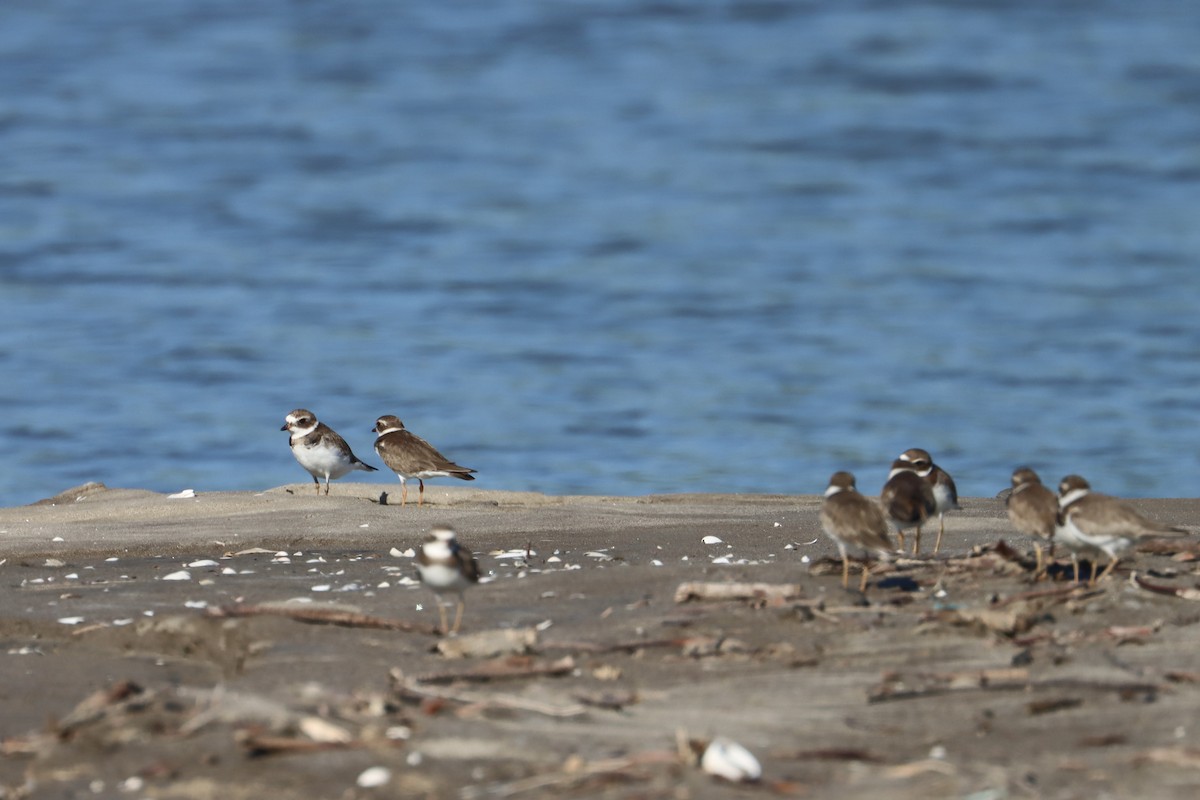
[[320, 616]]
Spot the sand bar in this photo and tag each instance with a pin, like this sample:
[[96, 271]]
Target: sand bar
[[953, 677]]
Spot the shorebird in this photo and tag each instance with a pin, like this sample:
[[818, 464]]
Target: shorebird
[[853, 520], [1033, 510], [410, 456], [444, 565], [319, 449], [907, 500], [1097, 523], [945, 493]]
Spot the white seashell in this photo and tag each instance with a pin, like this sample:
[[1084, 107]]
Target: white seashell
[[181, 575], [70, 620], [320, 730], [520, 554], [721, 560], [729, 760], [712, 540], [186, 494], [374, 777], [61, 539], [195, 604], [655, 562], [206, 562], [324, 587]]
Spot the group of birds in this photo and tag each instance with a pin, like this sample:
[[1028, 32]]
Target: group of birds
[[443, 564], [1087, 523], [325, 454]]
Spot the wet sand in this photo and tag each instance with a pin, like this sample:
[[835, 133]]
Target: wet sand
[[151, 648]]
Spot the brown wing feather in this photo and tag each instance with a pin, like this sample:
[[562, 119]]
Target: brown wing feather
[[1117, 519], [407, 453]]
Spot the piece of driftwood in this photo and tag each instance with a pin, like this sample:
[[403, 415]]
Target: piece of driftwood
[[829, 754], [319, 616], [1037, 594], [1182, 592], [575, 772], [511, 667], [490, 643], [600, 648], [738, 591], [1172, 756], [258, 745], [406, 686], [895, 686]]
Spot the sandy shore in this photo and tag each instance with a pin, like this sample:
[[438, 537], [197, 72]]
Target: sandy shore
[[151, 649]]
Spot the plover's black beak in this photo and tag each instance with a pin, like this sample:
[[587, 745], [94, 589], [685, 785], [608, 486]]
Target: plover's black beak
[[285, 427]]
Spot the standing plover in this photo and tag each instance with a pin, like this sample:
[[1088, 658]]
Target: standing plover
[[1097, 523], [319, 449], [907, 500], [853, 520], [410, 456], [1033, 509], [945, 493], [445, 566]]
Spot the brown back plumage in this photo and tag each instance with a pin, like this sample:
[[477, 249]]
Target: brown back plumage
[[409, 455], [907, 498], [1032, 508]]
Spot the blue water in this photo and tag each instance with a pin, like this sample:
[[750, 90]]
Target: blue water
[[601, 247]]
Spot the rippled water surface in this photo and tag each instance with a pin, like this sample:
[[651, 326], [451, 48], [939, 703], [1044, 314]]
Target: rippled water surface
[[601, 247]]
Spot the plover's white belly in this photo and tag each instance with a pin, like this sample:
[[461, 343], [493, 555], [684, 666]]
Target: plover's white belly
[[323, 461], [943, 499], [1073, 539], [442, 576]]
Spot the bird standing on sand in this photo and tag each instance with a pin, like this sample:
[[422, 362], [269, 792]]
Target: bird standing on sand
[[1033, 510], [907, 500], [410, 456], [444, 565], [1097, 523], [945, 493], [852, 520], [319, 449]]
